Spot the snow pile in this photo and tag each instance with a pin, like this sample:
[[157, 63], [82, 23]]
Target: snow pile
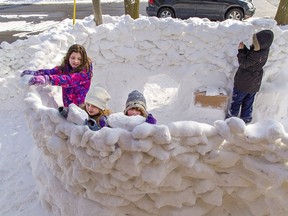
[[183, 168], [191, 163]]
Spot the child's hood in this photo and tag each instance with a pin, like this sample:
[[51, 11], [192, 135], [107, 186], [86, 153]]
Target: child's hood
[[263, 39]]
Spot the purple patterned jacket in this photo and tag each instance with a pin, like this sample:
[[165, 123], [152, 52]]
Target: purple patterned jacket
[[74, 85]]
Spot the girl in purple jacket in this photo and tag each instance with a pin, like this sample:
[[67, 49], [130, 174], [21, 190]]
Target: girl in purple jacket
[[74, 75]]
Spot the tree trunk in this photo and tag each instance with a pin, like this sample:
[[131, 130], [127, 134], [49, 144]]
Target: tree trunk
[[132, 8], [282, 13], [97, 12]]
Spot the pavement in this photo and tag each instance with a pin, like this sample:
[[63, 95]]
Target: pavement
[[266, 8]]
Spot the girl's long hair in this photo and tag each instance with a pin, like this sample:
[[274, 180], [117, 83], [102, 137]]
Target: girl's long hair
[[85, 63]]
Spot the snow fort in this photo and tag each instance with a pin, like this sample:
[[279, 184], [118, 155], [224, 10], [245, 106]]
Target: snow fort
[[192, 162]]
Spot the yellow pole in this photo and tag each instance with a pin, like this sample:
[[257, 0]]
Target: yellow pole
[[74, 12]]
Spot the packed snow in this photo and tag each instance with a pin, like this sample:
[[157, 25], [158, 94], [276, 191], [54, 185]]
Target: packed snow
[[193, 162]]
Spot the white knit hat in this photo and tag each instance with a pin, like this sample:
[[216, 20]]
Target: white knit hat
[[98, 97]]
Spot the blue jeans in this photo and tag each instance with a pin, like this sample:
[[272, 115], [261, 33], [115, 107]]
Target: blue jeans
[[244, 101]]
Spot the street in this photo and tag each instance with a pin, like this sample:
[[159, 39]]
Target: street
[[58, 12]]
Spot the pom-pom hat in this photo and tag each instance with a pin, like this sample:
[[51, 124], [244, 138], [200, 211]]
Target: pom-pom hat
[[136, 100]]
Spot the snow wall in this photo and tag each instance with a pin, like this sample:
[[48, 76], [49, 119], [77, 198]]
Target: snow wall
[[183, 168], [176, 167]]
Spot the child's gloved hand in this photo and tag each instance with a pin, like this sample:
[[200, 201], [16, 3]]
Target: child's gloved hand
[[39, 80], [63, 111], [103, 121], [92, 124], [150, 119], [27, 72]]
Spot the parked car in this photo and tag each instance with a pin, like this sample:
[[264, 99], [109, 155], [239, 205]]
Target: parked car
[[211, 9]]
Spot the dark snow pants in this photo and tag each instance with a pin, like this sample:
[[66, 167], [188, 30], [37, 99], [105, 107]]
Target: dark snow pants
[[244, 101]]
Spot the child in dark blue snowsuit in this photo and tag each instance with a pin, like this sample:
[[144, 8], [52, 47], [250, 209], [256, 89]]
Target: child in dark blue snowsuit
[[247, 80]]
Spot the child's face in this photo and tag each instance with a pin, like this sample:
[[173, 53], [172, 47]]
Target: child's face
[[75, 59], [91, 109], [133, 112]]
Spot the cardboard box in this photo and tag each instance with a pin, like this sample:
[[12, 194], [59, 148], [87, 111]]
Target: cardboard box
[[215, 101]]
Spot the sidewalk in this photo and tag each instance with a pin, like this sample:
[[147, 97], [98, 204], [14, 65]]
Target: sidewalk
[[266, 8]]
